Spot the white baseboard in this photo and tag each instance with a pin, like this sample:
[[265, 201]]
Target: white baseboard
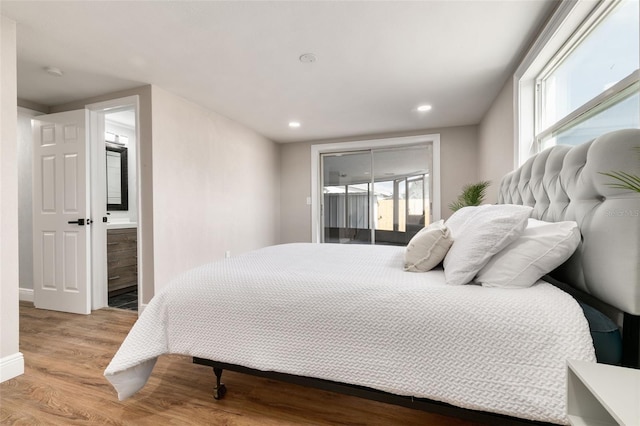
[[11, 366], [141, 308], [26, 294]]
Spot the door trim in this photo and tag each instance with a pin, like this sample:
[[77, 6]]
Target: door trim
[[317, 150], [99, 241]]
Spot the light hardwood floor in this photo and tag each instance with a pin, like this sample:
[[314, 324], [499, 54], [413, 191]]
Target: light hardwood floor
[[65, 356]]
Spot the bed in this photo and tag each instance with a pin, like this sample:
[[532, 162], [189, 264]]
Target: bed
[[350, 318]]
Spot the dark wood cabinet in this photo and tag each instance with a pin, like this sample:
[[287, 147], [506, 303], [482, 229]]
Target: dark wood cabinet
[[122, 260]]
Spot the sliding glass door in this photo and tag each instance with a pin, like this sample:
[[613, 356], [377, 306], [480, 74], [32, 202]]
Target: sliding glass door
[[378, 196], [347, 197]]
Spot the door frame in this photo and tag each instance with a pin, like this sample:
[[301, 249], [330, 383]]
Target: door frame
[[97, 112], [317, 150]]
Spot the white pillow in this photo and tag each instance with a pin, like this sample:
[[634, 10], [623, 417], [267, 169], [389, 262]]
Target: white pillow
[[427, 248], [541, 248], [460, 218], [484, 232]]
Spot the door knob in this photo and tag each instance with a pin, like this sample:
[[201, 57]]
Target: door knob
[[80, 222]]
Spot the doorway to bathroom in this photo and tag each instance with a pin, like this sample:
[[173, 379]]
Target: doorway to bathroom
[[115, 247], [122, 216]]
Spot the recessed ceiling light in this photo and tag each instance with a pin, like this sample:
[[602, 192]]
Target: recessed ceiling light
[[53, 71], [294, 124], [424, 108]]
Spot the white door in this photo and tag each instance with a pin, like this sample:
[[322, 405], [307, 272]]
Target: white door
[[61, 213]]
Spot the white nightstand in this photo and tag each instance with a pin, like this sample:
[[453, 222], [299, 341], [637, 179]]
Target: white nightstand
[[600, 394]]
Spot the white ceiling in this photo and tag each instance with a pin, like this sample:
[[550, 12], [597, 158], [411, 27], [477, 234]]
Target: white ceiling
[[376, 61], [126, 118]]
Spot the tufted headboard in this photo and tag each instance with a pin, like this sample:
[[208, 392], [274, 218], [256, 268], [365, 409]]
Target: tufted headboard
[[565, 183]]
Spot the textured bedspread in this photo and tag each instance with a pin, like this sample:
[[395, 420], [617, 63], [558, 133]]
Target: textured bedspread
[[350, 314]]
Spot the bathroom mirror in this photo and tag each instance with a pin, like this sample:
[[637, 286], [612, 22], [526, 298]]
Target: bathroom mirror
[[117, 178]]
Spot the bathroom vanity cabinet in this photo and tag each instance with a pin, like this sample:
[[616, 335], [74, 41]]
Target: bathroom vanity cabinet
[[122, 260]]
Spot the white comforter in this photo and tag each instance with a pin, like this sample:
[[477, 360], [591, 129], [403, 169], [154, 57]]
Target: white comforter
[[350, 314]]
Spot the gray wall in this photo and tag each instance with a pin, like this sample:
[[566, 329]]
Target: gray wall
[[216, 186], [496, 140], [458, 166]]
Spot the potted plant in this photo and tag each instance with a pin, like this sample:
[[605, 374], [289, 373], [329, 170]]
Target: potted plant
[[472, 195]]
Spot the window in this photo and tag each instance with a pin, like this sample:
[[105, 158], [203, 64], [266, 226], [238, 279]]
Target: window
[[583, 80], [620, 114]]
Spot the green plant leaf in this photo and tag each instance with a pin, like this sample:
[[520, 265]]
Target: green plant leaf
[[624, 180], [472, 195]]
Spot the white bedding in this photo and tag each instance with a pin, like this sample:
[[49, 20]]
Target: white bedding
[[349, 313]]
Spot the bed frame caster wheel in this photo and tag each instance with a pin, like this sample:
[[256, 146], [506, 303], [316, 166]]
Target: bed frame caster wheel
[[219, 392]]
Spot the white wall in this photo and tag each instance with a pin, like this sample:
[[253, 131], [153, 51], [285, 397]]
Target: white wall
[[216, 186], [130, 215], [495, 141], [458, 166], [11, 360]]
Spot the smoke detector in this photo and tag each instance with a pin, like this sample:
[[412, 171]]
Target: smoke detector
[[57, 72], [307, 58]]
